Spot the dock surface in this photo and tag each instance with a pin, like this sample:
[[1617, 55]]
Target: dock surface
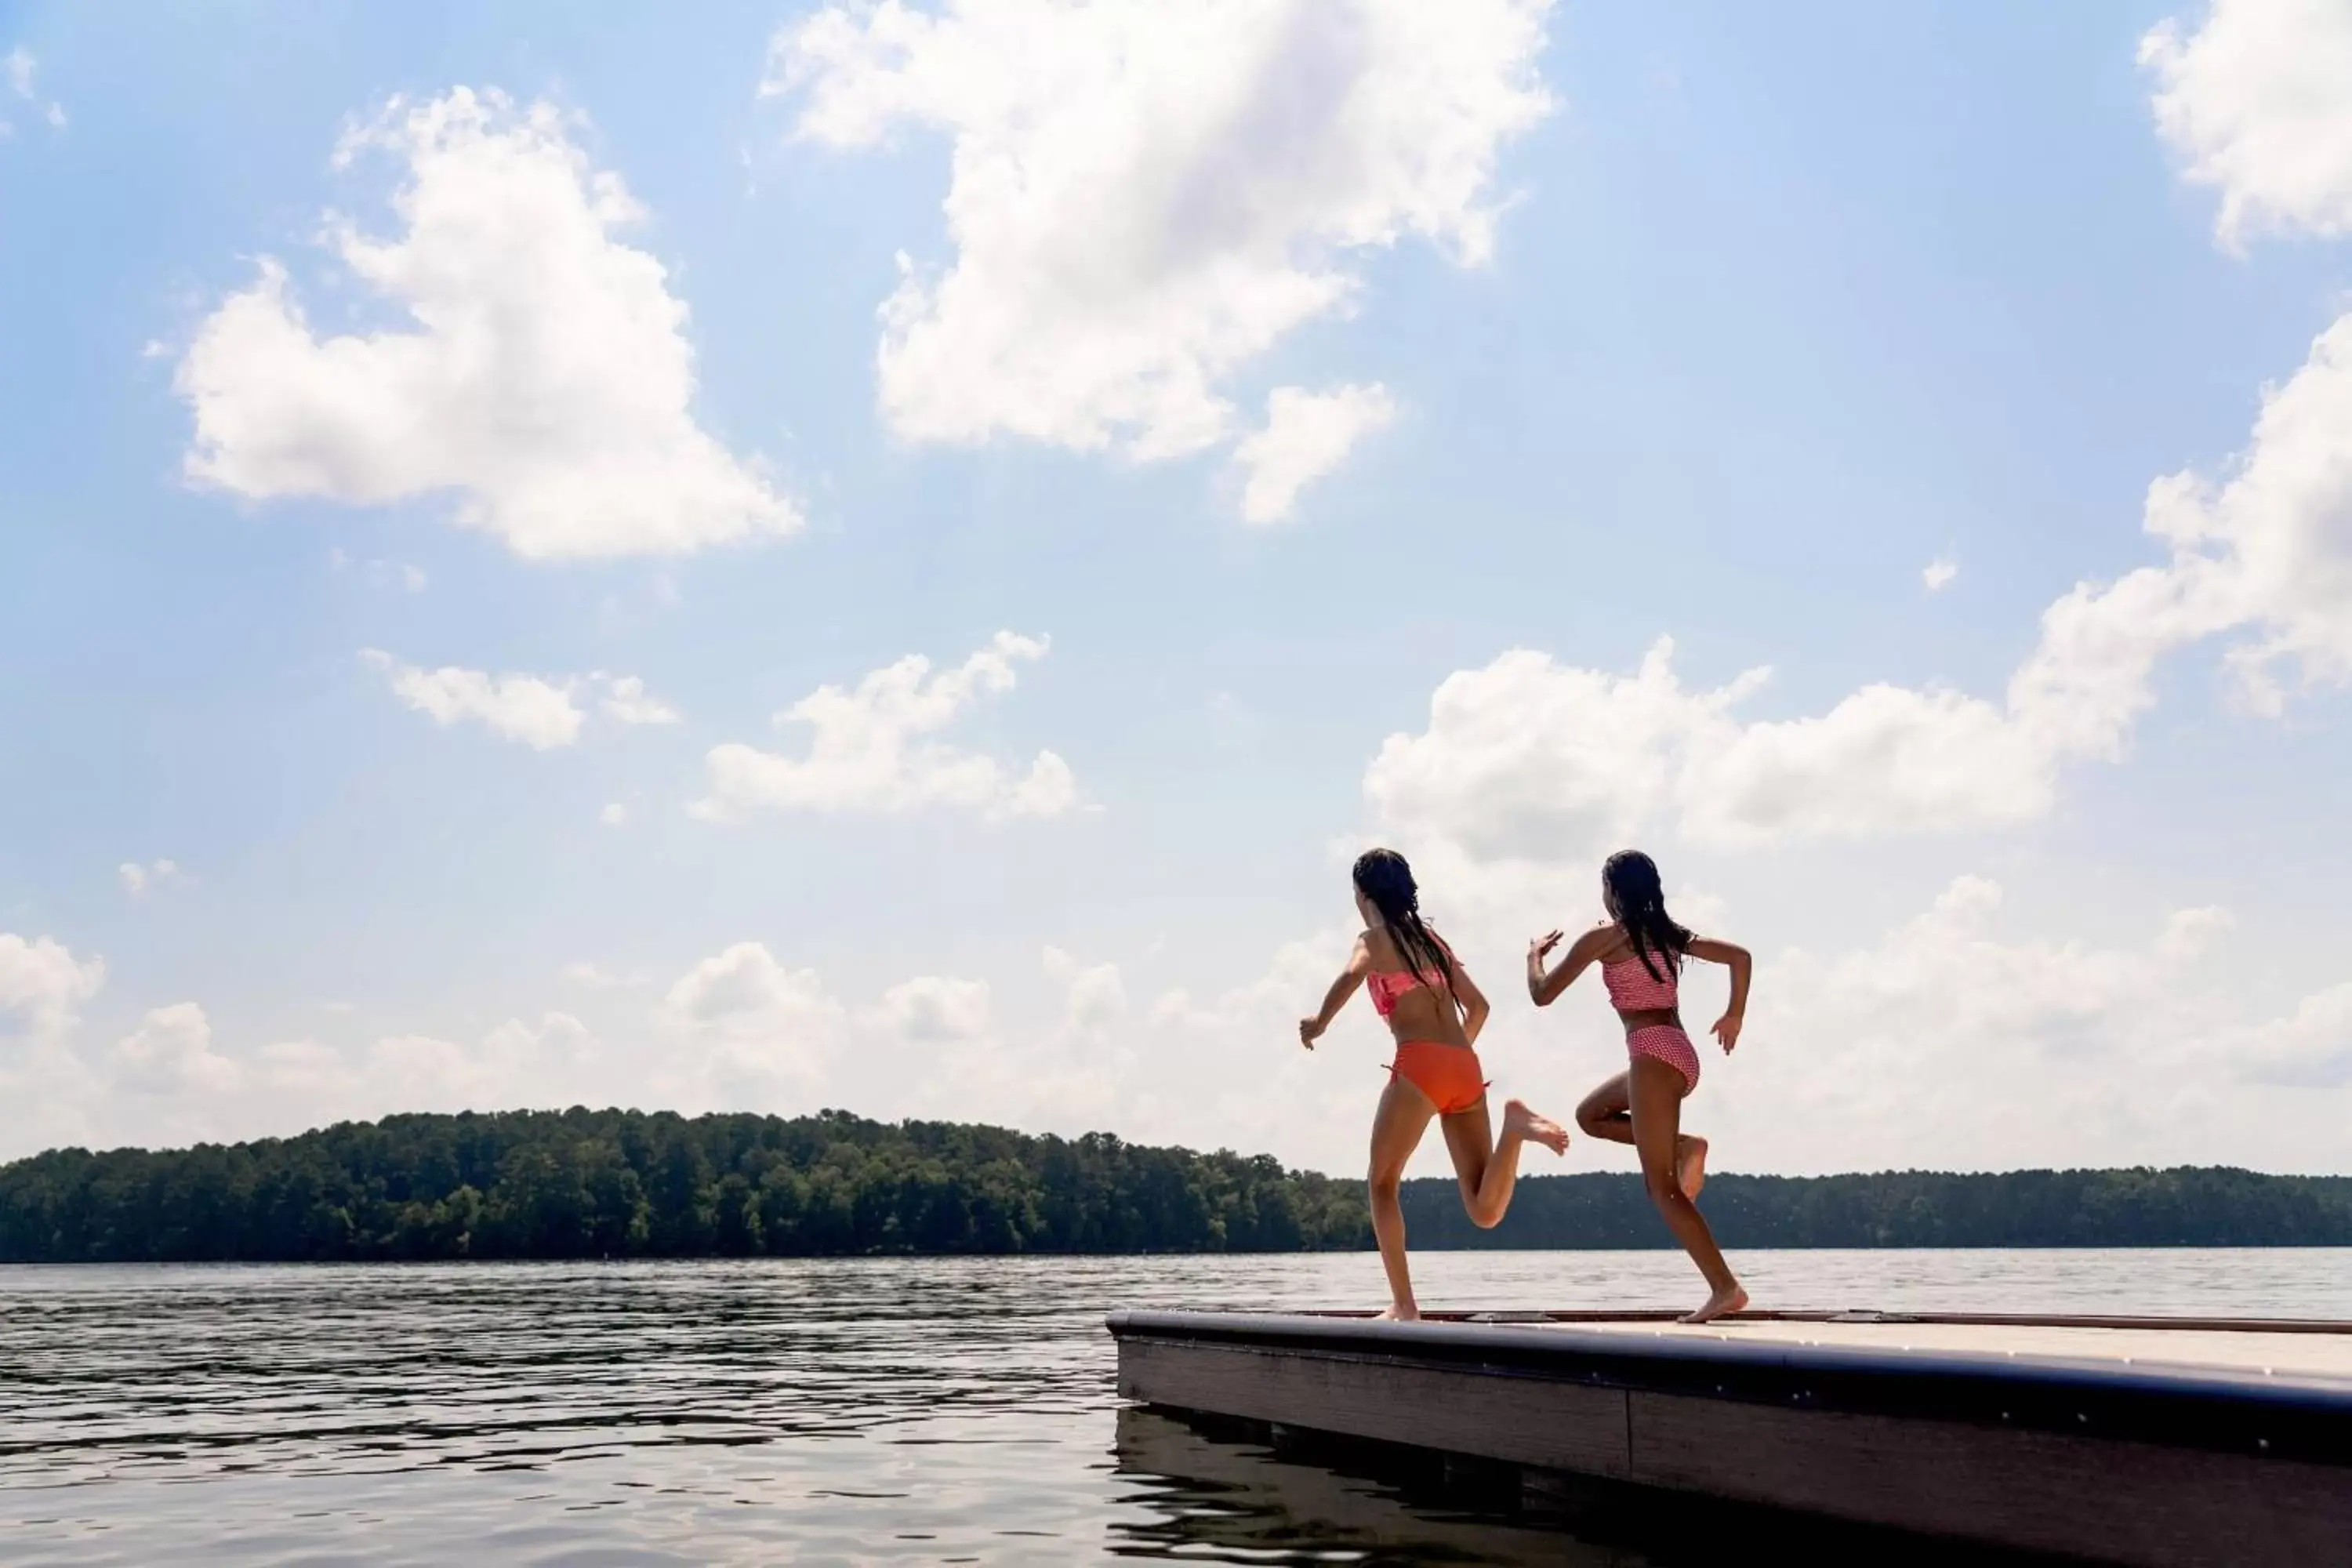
[[2319, 1353], [2148, 1442]]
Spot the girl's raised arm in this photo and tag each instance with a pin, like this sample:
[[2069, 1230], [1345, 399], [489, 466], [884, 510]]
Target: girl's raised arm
[[1544, 989], [1727, 1028], [1359, 962]]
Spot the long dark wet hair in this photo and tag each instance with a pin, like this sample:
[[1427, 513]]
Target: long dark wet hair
[[1386, 881], [1632, 878]]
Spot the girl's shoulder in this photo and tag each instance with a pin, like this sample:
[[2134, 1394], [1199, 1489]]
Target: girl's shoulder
[[1606, 942]]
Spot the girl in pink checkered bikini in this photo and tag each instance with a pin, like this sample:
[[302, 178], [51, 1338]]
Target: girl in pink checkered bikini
[[1641, 951]]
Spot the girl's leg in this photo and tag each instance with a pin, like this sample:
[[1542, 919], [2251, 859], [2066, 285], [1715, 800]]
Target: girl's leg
[[1487, 1172], [1657, 1095], [1397, 1126], [1608, 1112]]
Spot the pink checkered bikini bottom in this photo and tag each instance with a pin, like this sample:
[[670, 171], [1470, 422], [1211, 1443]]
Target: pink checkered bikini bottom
[[1670, 1046]]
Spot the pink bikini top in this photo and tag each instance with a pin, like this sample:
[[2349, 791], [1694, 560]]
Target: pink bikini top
[[1634, 989], [1387, 987]]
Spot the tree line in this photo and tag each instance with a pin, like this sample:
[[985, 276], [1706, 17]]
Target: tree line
[[615, 1184]]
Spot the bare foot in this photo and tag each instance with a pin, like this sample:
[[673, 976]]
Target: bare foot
[[1409, 1313], [1535, 1128], [1690, 1164], [1732, 1300]]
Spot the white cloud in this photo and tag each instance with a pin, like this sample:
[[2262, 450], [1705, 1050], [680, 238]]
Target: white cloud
[[745, 1032], [2255, 103], [383, 573], [138, 881], [2187, 933], [545, 376], [172, 1053], [519, 706], [1146, 197], [2270, 547], [767, 1027], [2310, 1048], [933, 1008], [1909, 1053], [870, 748], [1938, 574], [583, 973], [1305, 436], [515, 1065], [615, 815], [19, 66], [626, 700], [1529, 760], [43, 983], [1094, 996]]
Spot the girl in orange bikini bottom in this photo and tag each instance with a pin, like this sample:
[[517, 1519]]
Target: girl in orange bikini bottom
[[1447, 1074], [1439, 1010]]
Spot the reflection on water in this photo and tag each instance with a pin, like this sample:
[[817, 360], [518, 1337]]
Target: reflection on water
[[900, 1410], [1229, 1499]]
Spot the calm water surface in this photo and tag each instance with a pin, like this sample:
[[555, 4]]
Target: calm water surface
[[917, 1411]]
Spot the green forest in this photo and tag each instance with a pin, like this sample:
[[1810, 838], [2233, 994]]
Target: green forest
[[615, 1184]]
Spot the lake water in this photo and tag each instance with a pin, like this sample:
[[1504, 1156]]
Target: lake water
[[901, 1411]]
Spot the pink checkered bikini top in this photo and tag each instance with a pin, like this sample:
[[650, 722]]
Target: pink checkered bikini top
[[1633, 988]]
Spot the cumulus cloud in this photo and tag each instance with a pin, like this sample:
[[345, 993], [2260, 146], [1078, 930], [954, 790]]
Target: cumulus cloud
[[2309, 1048], [382, 573], [515, 1065], [1529, 759], [1305, 436], [20, 67], [934, 1009], [1938, 574], [1094, 995], [767, 1026], [615, 815], [1144, 198], [1913, 1051], [541, 371], [870, 749], [138, 881], [539, 713], [42, 983], [2254, 104], [626, 701], [2268, 548], [172, 1053]]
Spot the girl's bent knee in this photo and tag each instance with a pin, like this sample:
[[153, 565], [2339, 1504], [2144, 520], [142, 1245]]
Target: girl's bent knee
[[1665, 1188]]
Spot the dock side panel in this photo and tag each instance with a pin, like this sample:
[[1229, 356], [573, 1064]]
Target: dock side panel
[[2089, 1497], [1486, 1414]]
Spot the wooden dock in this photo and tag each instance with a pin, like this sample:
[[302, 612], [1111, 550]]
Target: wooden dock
[[2124, 1440]]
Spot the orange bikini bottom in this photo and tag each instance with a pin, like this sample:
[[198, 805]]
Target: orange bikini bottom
[[1447, 1074]]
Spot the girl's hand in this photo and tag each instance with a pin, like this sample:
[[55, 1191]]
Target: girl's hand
[[1726, 1029], [1541, 947], [1309, 1031]]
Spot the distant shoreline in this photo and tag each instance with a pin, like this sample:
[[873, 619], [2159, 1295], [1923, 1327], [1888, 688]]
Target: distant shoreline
[[581, 1185]]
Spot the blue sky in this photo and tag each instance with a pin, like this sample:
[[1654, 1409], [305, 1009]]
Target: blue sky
[[1576, 326]]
